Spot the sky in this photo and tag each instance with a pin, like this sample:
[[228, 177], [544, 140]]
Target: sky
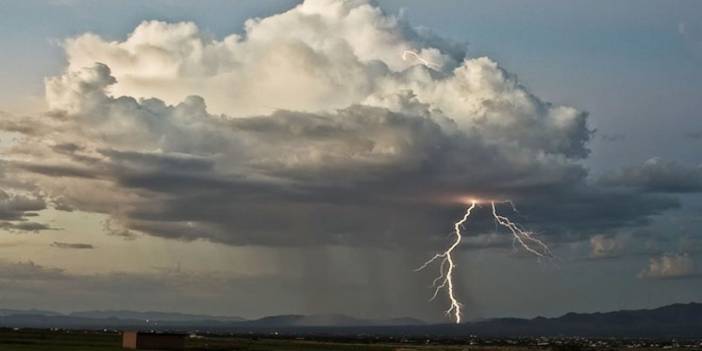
[[252, 158]]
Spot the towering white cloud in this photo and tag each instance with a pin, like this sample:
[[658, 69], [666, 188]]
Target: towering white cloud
[[320, 56]]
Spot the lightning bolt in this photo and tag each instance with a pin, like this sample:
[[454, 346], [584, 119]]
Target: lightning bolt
[[525, 238], [407, 53], [447, 267], [445, 279]]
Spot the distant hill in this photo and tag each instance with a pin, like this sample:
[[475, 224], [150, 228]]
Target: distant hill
[[165, 320], [671, 320], [683, 320], [9, 312], [327, 320], [678, 320], [155, 316]]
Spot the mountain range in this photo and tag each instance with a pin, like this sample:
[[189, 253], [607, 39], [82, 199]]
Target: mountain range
[[677, 320]]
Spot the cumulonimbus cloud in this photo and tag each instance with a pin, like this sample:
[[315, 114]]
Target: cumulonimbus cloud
[[310, 128]]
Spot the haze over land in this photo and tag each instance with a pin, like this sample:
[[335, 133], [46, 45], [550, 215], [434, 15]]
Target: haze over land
[[300, 162], [674, 321]]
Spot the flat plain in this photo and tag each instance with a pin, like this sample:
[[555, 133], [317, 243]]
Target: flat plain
[[76, 340], [65, 340]]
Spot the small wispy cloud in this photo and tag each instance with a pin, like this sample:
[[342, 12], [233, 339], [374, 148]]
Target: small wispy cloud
[[78, 246], [612, 138], [670, 266]]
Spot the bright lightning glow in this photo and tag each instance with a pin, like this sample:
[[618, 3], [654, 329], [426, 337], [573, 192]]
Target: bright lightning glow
[[445, 279], [407, 53], [447, 266]]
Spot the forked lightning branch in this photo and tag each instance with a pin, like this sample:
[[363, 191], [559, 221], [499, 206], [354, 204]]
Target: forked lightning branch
[[447, 266]]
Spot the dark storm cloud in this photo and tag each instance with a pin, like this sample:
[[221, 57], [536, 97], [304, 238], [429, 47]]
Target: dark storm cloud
[[591, 209], [17, 207], [657, 175], [181, 163], [359, 176]]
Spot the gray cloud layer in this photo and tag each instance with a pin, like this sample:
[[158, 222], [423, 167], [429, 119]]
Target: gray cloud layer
[[657, 175], [16, 211]]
